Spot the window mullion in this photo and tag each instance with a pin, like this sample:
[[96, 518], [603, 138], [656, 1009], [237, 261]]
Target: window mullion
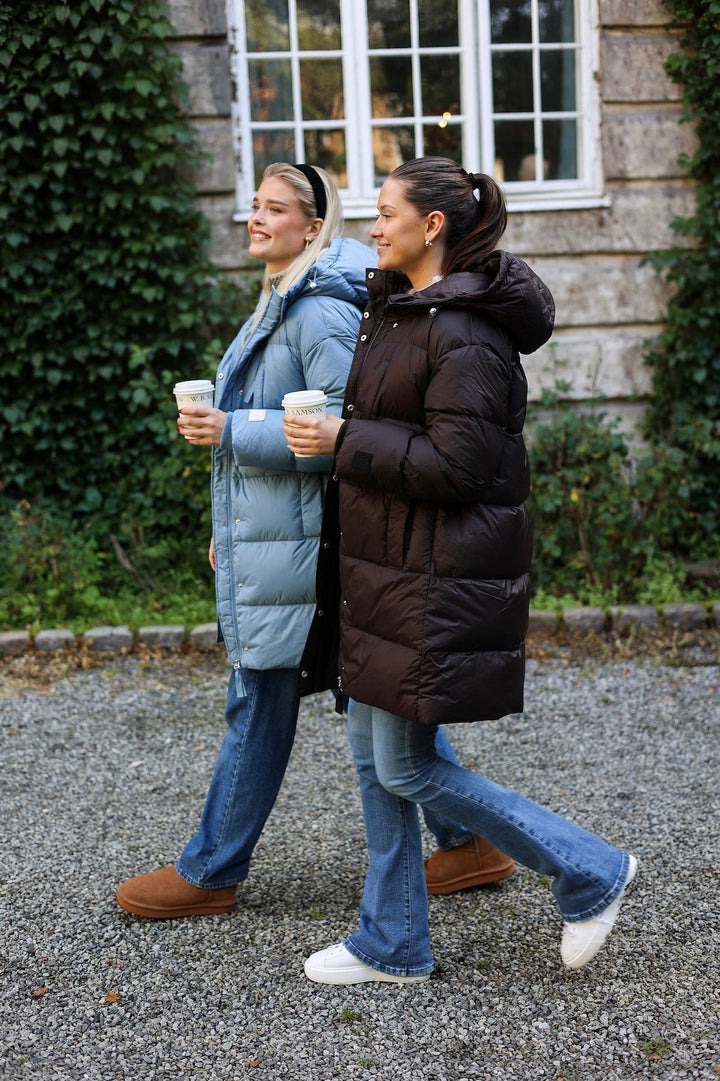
[[472, 122], [298, 130], [537, 99], [239, 107], [416, 77], [485, 91], [357, 100]]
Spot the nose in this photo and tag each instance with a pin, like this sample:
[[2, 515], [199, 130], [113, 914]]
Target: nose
[[376, 230]]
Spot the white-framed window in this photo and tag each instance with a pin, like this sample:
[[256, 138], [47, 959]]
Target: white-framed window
[[507, 87]]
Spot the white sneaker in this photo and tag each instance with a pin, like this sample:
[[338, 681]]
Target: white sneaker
[[582, 940], [337, 965]]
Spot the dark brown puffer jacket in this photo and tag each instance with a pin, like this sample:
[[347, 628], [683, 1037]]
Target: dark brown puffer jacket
[[433, 541]]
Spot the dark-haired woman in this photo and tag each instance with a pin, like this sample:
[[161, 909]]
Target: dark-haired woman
[[433, 545]]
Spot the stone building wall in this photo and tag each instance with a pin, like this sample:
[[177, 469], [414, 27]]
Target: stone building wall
[[608, 305]]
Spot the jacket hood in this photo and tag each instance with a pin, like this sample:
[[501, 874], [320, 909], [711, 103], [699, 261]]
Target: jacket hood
[[504, 288], [340, 273]]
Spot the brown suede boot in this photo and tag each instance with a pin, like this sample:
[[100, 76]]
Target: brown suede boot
[[163, 895], [476, 863]]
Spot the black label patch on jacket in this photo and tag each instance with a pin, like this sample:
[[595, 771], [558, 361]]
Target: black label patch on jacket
[[362, 461]]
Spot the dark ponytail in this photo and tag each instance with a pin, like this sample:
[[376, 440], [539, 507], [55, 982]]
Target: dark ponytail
[[473, 205]]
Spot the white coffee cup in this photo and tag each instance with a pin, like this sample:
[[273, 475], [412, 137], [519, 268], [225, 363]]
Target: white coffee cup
[[194, 392], [305, 403]]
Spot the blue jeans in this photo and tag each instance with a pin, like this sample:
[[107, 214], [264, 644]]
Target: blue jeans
[[249, 771], [399, 767]]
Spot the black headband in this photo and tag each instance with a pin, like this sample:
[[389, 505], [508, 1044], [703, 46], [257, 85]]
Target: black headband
[[317, 186]]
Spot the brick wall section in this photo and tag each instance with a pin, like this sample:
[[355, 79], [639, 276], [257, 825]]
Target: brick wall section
[[607, 304]]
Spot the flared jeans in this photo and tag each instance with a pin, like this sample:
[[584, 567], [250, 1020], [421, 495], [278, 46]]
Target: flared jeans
[[399, 768], [249, 771]]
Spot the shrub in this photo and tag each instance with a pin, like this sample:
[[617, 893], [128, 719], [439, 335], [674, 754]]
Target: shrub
[[603, 517], [685, 408]]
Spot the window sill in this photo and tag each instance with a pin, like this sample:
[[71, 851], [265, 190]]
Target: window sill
[[517, 204]]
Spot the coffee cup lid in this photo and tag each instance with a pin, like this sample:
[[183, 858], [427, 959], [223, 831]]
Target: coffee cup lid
[[193, 386], [297, 398]]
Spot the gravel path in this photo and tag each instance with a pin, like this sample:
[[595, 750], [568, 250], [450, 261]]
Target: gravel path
[[103, 774]]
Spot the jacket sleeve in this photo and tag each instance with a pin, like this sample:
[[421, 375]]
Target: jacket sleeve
[[454, 455], [320, 342]]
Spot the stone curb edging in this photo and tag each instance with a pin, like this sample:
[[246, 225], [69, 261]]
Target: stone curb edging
[[110, 639], [585, 620]]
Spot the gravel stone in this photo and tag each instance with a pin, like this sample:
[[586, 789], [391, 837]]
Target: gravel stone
[[103, 775]]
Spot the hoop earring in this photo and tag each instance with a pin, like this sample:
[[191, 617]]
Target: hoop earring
[[428, 243]]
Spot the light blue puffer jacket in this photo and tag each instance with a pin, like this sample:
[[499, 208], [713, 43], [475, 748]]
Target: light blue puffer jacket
[[266, 504]]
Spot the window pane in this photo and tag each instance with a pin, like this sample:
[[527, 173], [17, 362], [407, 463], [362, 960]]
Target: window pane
[[443, 140], [322, 89], [388, 24], [268, 26], [557, 81], [319, 24], [438, 21], [510, 21], [557, 20], [514, 150], [391, 86], [270, 146], [512, 82], [270, 90], [440, 82], [391, 147], [561, 148], [327, 149]]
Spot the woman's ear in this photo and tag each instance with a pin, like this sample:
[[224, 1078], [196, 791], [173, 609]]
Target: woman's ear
[[314, 229], [434, 226]]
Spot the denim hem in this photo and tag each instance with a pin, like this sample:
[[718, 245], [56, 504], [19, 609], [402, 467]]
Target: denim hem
[[612, 895], [204, 885], [458, 844], [389, 970]]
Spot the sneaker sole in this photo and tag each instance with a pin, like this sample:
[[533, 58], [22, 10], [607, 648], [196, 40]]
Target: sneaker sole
[[349, 977]]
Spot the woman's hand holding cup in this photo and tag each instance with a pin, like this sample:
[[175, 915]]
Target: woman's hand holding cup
[[201, 425], [309, 435]]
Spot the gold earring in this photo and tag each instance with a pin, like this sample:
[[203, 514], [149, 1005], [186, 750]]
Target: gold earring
[[308, 242]]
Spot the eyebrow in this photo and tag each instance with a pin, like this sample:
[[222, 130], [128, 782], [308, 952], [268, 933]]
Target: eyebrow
[[277, 202], [386, 206]]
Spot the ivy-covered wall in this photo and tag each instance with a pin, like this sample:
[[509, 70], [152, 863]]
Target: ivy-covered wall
[[107, 291]]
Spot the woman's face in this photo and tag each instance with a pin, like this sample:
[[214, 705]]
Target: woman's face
[[278, 227], [400, 232]]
